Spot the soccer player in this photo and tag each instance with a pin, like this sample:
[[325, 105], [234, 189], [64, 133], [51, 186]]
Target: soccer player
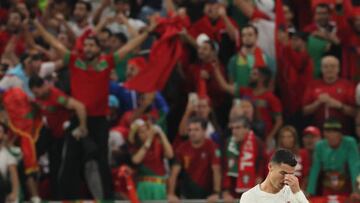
[[280, 185]]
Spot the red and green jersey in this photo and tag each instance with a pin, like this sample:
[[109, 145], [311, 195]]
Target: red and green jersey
[[197, 167], [90, 81], [54, 110], [267, 105], [341, 90], [153, 162]]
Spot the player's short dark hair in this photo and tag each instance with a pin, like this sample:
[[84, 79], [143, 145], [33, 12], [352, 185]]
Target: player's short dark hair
[[36, 81], [284, 156], [87, 5], [241, 119], [252, 27], [199, 120]]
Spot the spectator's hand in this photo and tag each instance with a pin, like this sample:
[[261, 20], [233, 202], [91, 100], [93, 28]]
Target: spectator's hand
[[80, 132], [60, 17], [11, 197], [334, 103], [228, 198], [173, 199], [324, 98], [204, 75], [23, 9], [293, 182], [213, 198], [222, 11], [121, 18], [153, 23]]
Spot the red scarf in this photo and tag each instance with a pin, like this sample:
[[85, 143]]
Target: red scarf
[[247, 157], [259, 59]]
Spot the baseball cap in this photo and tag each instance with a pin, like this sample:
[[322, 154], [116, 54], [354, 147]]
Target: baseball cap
[[312, 130], [332, 124]]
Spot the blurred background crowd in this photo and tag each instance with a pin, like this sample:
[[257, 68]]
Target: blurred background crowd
[[177, 99]]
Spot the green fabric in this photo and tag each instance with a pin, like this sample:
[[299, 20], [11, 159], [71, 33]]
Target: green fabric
[[151, 191], [42, 4], [120, 66], [316, 48], [239, 68], [232, 156], [162, 121], [67, 58], [326, 158]]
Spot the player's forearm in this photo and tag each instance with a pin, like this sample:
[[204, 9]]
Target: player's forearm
[[300, 197]]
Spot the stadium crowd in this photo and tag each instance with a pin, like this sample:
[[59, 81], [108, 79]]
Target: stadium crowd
[[177, 99]]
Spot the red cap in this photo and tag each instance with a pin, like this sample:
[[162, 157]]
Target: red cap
[[312, 130]]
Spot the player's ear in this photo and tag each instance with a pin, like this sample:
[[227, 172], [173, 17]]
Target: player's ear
[[270, 166]]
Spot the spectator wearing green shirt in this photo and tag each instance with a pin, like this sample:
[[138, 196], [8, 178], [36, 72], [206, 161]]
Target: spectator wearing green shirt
[[250, 56], [335, 162]]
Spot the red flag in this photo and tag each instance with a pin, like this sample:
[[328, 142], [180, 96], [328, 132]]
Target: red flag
[[164, 54]]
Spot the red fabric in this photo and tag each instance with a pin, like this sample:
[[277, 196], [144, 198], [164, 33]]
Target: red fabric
[[257, 14], [198, 162], [79, 43], [138, 62], [3, 15], [19, 43], [164, 54], [267, 104], [91, 86], [295, 71], [202, 88], [24, 124], [124, 173], [280, 25], [154, 157], [302, 168], [55, 112], [214, 31], [213, 88], [341, 90], [247, 163], [259, 59]]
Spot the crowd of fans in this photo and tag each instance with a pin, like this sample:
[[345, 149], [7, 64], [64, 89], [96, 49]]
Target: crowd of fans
[[176, 99]]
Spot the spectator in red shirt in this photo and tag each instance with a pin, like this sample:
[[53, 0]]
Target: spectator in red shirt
[[245, 150], [150, 147], [288, 139], [89, 79], [56, 107], [295, 71], [266, 103], [214, 23], [330, 96], [13, 29], [199, 159]]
